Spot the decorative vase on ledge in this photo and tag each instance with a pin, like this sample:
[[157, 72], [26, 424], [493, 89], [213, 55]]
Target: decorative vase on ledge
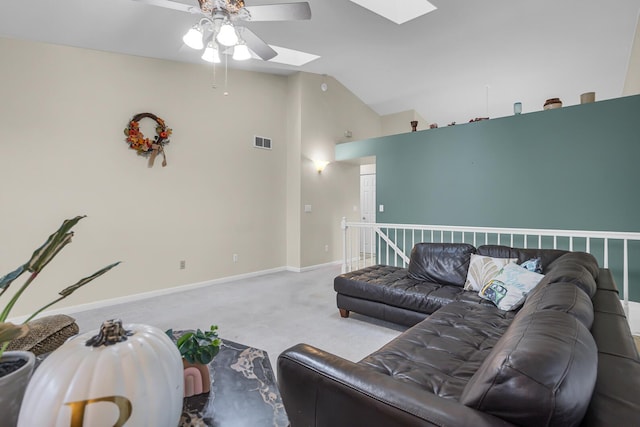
[[414, 125], [552, 103]]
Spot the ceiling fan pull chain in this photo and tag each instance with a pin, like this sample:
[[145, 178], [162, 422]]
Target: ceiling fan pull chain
[[226, 75], [215, 84]]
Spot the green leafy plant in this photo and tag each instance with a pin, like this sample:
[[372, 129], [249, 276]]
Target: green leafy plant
[[40, 258], [199, 346]]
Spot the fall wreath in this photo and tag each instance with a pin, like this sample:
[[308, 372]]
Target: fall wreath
[[145, 146]]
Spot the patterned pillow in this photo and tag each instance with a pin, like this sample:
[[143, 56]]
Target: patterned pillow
[[533, 264], [510, 287], [482, 269]]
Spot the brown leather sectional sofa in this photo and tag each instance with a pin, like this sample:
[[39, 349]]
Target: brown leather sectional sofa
[[566, 357]]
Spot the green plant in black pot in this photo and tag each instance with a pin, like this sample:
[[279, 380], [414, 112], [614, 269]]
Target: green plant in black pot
[[199, 346]]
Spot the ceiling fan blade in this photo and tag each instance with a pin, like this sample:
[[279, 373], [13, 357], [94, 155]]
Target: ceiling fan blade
[[280, 12], [168, 4], [257, 45]]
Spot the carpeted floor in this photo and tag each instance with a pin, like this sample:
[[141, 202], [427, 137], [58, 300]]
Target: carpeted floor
[[271, 312]]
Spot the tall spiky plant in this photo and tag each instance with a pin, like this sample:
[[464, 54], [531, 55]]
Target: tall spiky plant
[[40, 258]]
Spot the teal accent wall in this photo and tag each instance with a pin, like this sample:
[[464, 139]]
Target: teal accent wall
[[572, 168]]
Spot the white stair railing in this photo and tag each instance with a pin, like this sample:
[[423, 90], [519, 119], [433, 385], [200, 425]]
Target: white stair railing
[[391, 244]]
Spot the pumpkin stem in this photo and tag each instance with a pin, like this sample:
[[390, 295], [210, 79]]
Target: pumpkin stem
[[111, 332]]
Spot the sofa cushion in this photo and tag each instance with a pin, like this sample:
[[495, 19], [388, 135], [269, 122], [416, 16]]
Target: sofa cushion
[[445, 263], [441, 353], [540, 373], [547, 256], [583, 259], [615, 400], [510, 287], [372, 282], [392, 286], [564, 297], [482, 269], [578, 268]]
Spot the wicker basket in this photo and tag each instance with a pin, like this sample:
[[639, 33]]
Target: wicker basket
[[46, 334]]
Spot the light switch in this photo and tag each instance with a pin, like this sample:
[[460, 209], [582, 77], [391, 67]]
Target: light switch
[[307, 208], [381, 208]]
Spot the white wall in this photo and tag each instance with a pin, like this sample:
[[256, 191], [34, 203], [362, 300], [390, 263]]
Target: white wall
[[62, 153], [632, 83], [334, 193], [393, 124]]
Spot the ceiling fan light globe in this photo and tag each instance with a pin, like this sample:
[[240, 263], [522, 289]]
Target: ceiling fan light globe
[[227, 35], [211, 54], [193, 38], [241, 52]]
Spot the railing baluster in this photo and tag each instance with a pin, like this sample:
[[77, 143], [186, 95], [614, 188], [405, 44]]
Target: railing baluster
[[404, 242], [625, 277]]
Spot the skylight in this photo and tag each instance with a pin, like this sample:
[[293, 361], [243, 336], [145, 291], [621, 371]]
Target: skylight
[[397, 11], [292, 57]]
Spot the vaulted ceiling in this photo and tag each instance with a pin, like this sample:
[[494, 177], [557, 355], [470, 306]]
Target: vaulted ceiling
[[466, 59]]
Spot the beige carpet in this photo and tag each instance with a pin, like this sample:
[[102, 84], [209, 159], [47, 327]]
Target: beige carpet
[[271, 312], [637, 340]]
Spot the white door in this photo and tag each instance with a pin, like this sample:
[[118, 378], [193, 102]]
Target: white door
[[368, 210]]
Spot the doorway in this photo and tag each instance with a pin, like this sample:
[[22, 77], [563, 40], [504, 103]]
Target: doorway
[[367, 206]]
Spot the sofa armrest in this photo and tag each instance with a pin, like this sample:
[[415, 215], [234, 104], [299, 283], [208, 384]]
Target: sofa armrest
[[320, 389]]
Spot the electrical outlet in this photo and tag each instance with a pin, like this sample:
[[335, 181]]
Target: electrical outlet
[[183, 264], [235, 257], [326, 248]]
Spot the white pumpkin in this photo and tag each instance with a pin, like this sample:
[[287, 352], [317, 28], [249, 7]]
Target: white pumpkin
[[119, 376]]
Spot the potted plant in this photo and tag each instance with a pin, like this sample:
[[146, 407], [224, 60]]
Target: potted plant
[[197, 350], [16, 366]]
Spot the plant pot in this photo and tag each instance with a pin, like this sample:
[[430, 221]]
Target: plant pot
[[13, 385], [196, 378]]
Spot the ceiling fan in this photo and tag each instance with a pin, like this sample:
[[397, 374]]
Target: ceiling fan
[[221, 23]]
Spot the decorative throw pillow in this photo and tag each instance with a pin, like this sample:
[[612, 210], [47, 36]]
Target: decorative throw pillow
[[510, 287], [533, 264], [482, 269]]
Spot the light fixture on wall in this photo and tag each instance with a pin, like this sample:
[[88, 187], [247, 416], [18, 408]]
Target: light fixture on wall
[[320, 165]]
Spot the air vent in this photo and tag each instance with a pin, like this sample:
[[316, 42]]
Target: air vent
[[262, 142]]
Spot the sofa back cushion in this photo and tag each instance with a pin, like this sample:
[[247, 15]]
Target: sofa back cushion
[[562, 296], [444, 263], [541, 372], [579, 268], [547, 256]]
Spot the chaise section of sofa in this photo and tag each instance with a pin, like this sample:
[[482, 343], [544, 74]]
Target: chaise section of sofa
[[435, 277], [564, 358]]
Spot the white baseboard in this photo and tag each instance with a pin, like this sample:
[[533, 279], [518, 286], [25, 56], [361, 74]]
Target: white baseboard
[[167, 291], [144, 295], [312, 267]]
